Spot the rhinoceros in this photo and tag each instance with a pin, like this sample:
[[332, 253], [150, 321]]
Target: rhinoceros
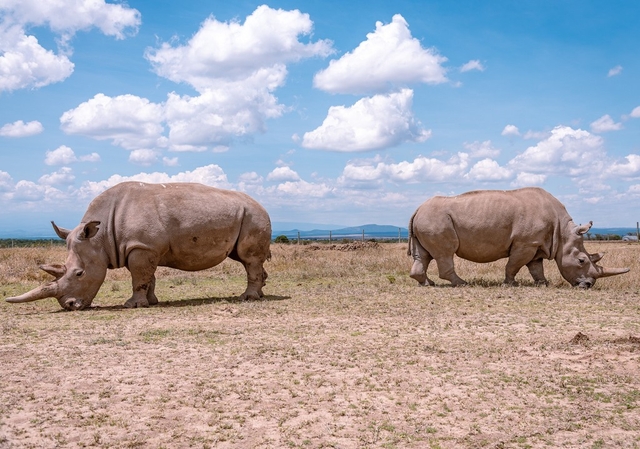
[[526, 225], [142, 226]]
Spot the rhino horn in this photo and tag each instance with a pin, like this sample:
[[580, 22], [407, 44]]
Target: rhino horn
[[584, 228], [606, 272], [62, 232], [49, 290], [595, 257], [54, 270]]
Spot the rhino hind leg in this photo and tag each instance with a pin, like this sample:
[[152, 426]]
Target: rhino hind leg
[[142, 264], [536, 268]]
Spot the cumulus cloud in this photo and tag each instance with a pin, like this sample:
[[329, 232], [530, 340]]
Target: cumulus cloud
[[222, 51], [63, 155], [64, 176], [617, 70], [510, 130], [472, 65], [567, 151], [24, 63], [281, 174], [482, 149], [525, 179], [143, 157], [372, 123], [604, 124], [127, 120], [389, 56], [421, 169], [489, 170], [628, 169], [21, 129], [636, 112], [6, 182]]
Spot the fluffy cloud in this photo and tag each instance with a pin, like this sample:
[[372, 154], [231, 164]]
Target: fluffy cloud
[[604, 124], [281, 174], [525, 179], [221, 52], [481, 149], [25, 63], [489, 170], [472, 65], [127, 120], [21, 129], [389, 56], [372, 123], [6, 182], [628, 169], [636, 112], [63, 155], [510, 130], [566, 151], [143, 157], [64, 176]]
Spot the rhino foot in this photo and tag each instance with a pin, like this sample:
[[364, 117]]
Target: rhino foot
[[133, 302], [249, 296]]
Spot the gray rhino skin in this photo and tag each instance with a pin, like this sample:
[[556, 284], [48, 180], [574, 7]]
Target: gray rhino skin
[[526, 225], [142, 226]]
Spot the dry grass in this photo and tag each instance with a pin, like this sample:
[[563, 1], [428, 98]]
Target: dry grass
[[345, 351]]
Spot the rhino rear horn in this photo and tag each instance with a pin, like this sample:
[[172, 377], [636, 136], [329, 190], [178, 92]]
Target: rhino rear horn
[[49, 290], [62, 232], [56, 271], [595, 257]]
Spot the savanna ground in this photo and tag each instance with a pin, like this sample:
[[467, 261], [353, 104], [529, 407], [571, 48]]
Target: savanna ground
[[345, 351]]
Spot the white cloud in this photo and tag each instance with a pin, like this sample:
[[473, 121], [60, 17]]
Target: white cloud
[[604, 124], [565, 151], [222, 51], [636, 112], [170, 161], [617, 70], [281, 174], [25, 63], [372, 123], [628, 169], [489, 170], [63, 155], [390, 56], [28, 191], [6, 182], [481, 149], [127, 120], [302, 189], [539, 135], [143, 156], [525, 179], [21, 129], [472, 65], [510, 130], [64, 176], [421, 169]]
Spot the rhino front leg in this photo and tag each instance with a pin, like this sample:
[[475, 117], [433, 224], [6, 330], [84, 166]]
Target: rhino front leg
[[536, 268], [142, 264], [518, 258], [447, 271], [256, 277]]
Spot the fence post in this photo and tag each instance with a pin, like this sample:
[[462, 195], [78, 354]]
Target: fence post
[[298, 237], [363, 235], [329, 236], [399, 239], [638, 230]]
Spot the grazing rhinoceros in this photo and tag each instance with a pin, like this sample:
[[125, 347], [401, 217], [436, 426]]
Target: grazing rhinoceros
[[525, 225], [142, 226]]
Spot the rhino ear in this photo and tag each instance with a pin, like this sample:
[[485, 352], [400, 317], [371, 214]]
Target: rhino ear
[[584, 228], [62, 232], [89, 230], [54, 270]]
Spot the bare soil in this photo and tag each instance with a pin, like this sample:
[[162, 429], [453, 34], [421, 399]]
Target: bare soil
[[345, 351]]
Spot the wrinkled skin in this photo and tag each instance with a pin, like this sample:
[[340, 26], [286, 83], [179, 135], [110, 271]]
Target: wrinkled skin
[[523, 225], [142, 226]]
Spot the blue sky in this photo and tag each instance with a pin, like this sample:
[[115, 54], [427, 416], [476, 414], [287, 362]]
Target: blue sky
[[326, 112]]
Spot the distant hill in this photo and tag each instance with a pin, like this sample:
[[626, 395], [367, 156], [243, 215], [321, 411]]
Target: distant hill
[[371, 231]]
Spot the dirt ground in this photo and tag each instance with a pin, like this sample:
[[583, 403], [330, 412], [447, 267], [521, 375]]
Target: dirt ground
[[345, 351]]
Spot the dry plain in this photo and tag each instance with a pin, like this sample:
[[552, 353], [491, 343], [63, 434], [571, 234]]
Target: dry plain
[[345, 351]]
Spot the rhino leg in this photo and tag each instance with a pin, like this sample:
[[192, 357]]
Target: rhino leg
[[151, 295], [536, 268], [447, 271], [142, 264], [421, 261], [256, 277], [518, 258]]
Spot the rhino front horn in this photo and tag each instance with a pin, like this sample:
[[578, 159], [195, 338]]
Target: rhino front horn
[[49, 290], [606, 272]]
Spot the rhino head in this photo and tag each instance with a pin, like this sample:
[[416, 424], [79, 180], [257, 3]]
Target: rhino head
[[77, 281], [576, 265]]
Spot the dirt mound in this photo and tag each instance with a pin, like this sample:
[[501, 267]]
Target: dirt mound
[[580, 339], [353, 246]]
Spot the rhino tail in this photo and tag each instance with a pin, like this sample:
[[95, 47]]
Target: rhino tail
[[409, 245]]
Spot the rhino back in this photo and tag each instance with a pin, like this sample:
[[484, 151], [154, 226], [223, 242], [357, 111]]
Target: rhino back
[[486, 224], [189, 226]]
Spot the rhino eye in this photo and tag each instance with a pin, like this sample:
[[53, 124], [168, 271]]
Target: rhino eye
[[79, 273]]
